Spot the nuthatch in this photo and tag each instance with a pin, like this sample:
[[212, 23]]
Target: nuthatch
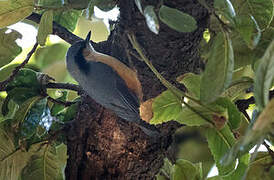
[[108, 81]]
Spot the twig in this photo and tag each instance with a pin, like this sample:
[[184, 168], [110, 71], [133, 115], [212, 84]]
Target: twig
[[68, 86], [4, 83], [64, 103]]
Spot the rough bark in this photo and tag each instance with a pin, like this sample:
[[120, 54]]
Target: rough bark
[[102, 146]]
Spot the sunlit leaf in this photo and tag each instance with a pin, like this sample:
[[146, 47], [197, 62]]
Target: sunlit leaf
[[166, 107], [14, 11], [8, 47], [264, 77], [177, 20], [190, 118], [151, 19], [219, 68], [45, 27], [56, 108]]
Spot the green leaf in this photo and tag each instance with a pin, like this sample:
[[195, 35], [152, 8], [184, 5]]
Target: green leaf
[[219, 69], [177, 20], [237, 88], [243, 54], [18, 96], [264, 77], [43, 166], [8, 47], [185, 170], [190, 118], [12, 160], [14, 11], [151, 19], [45, 27], [261, 10], [56, 108], [38, 116], [249, 30], [219, 142], [192, 83], [24, 109], [225, 8], [68, 19], [25, 78], [166, 107], [61, 152], [259, 167], [234, 120]]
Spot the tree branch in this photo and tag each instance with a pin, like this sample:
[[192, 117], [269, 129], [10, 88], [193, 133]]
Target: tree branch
[[4, 83], [68, 86]]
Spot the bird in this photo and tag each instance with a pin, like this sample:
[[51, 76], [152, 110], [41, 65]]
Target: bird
[[109, 82]]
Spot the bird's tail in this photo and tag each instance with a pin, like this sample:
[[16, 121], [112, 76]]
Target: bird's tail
[[149, 129]]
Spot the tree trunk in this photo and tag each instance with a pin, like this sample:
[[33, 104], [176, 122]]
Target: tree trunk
[[102, 146]]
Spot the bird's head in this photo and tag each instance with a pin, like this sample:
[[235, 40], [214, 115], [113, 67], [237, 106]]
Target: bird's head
[[79, 48]]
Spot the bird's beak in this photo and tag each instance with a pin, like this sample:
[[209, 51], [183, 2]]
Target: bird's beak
[[87, 40]]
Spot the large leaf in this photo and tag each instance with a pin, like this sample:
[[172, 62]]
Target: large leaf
[[14, 11], [151, 19], [12, 160], [166, 107], [219, 69], [68, 19], [43, 166], [264, 77], [45, 27], [25, 78], [177, 20], [261, 10], [8, 47], [219, 142]]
